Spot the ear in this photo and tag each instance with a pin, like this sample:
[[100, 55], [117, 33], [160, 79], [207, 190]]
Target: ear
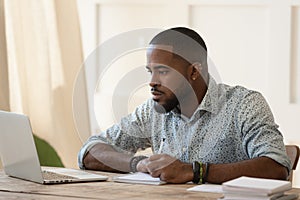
[[195, 71]]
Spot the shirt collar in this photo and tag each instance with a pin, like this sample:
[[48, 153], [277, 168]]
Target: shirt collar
[[211, 102]]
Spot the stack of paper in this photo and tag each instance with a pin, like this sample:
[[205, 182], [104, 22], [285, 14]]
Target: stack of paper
[[139, 178], [246, 188]]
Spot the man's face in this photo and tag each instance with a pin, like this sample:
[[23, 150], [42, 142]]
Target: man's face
[[169, 85]]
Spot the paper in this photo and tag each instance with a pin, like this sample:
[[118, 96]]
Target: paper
[[139, 178], [272, 197], [207, 188], [248, 185], [252, 197]]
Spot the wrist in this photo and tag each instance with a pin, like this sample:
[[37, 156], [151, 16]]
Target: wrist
[[186, 173], [190, 173], [134, 162]]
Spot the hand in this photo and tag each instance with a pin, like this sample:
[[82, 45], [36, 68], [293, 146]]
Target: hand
[[167, 168]]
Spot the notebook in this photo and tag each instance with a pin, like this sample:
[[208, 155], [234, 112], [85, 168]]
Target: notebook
[[139, 178], [20, 159], [249, 185], [249, 188]]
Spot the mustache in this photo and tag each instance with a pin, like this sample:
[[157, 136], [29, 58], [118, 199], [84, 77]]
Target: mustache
[[154, 89]]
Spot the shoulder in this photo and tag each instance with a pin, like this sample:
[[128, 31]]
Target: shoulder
[[244, 100], [248, 96], [249, 104], [238, 92], [240, 95]]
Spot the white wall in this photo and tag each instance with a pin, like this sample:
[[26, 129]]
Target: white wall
[[254, 43]]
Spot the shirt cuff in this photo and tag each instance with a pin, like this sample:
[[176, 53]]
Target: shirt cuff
[[83, 151]]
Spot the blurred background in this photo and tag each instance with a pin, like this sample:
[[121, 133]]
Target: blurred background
[[45, 43]]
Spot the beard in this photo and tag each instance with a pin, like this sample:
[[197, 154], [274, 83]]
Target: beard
[[167, 106], [174, 99]]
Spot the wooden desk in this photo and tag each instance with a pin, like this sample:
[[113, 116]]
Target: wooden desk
[[12, 188]]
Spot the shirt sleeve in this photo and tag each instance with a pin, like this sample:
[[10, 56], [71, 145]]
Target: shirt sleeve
[[260, 134], [131, 134]]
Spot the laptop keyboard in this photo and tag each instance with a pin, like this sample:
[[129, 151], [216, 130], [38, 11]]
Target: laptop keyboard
[[47, 175]]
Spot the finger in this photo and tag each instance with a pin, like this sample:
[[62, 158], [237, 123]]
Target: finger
[[144, 161], [160, 164], [155, 174], [142, 166], [163, 176], [155, 157], [154, 166]]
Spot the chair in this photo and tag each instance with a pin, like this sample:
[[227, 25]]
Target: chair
[[292, 152], [46, 153]]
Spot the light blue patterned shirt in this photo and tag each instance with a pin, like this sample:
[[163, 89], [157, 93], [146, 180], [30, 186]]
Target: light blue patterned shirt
[[230, 125]]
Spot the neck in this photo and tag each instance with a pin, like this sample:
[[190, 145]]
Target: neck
[[190, 103]]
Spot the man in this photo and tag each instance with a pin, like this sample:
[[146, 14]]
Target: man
[[198, 130]]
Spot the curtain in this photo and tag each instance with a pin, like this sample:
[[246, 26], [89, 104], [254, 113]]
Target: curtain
[[44, 55], [4, 94]]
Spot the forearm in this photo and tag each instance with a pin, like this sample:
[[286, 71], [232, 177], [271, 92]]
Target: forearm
[[103, 157], [261, 167]]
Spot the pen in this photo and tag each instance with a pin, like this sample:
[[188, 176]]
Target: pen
[[161, 145]]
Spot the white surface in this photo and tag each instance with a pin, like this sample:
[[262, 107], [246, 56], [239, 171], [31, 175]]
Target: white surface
[[213, 188]]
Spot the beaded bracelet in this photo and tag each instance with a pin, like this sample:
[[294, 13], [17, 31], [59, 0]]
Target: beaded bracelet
[[206, 172], [198, 172], [201, 173]]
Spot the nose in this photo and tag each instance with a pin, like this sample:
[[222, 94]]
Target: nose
[[154, 82]]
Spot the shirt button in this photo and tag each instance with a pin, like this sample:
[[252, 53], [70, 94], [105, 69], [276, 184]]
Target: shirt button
[[183, 149]]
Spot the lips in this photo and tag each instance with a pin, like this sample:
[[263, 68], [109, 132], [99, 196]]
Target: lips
[[156, 94]]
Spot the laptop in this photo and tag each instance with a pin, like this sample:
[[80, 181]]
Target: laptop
[[20, 159]]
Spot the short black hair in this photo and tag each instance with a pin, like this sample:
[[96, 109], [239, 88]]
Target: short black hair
[[185, 42]]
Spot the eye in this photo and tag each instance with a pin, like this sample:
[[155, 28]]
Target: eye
[[163, 72], [149, 71]]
